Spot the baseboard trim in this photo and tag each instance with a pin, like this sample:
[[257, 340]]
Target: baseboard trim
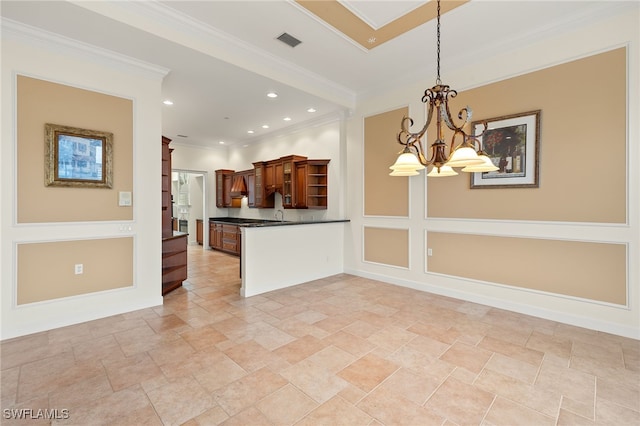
[[553, 315]]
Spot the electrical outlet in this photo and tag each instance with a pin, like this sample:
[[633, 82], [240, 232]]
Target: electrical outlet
[[79, 268], [429, 252]]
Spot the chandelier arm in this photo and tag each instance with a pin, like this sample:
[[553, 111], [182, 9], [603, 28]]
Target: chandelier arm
[[475, 142], [407, 138], [421, 157], [421, 132], [403, 136], [456, 133], [464, 114], [485, 126]]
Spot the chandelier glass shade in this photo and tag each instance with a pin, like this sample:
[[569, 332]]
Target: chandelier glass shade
[[464, 150]]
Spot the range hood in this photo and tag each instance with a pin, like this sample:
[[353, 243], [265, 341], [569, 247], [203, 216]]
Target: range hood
[[238, 187]]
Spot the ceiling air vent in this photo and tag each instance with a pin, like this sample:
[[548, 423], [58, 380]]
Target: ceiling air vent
[[289, 40]]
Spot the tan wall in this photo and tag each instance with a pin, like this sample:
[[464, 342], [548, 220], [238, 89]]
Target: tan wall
[[41, 102], [595, 271], [582, 146], [384, 195], [386, 246], [46, 270]]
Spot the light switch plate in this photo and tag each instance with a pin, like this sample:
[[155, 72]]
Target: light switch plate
[[124, 198]]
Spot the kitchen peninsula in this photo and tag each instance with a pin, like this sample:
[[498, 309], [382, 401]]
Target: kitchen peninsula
[[278, 254]]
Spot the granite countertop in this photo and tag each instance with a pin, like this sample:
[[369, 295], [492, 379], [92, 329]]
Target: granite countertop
[[252, 223]]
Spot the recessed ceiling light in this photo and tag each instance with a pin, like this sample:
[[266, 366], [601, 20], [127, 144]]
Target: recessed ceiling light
[[265, 126], [311, 110], [221, 142], [272, 95], [167, 102], [287, 119], [250, 132]]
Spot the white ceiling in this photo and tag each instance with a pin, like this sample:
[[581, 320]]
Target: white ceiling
[[379, 13], [224, 57]]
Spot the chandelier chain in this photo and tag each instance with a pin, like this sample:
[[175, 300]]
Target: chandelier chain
[[438, 81]]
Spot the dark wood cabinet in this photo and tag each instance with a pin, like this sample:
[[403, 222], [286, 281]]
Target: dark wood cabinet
[[301, 182], [289, 180], [223, 188], [258, 184], [317, 184], [251, 193], [269, 178], [311, 184], [225, 237], [215, 235], [199, 232], [167, 209], [174, 244], [231, 239], [261, 199], [273, 177], [287, 184], [277, 176], [174, 262], [300, 189], [227, 180]]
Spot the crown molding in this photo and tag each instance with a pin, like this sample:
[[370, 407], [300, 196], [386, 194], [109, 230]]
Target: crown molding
[[13, 30]]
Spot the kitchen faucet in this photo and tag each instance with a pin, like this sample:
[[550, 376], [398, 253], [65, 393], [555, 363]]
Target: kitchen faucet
[[281, 215]]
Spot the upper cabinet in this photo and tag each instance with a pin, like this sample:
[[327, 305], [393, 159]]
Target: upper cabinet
[[273, 177], [311, 184], [261, 199], [231, 186], [226, 190], [251, 193], [288, 180], [223, 187], [302, 183]]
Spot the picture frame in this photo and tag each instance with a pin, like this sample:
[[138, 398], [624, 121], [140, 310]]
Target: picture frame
[[76, 157], [513, 144]]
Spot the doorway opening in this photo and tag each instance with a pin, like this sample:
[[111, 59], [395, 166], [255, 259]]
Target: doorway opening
[[189, 197]]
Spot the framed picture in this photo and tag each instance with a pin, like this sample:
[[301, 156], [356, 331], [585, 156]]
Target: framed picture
[[513, 143], [77, 157]]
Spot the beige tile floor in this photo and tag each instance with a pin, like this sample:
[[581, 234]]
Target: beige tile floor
[[338, 351]]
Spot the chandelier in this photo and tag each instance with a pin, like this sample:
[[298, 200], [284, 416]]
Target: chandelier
[[463, 151]]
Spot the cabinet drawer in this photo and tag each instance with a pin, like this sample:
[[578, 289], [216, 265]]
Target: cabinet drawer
[[228, 246], [173, 245], [232, 236], [177, 274], [176, 259]]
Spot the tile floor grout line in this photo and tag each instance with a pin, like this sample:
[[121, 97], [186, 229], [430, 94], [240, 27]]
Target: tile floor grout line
[[493, 401]]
